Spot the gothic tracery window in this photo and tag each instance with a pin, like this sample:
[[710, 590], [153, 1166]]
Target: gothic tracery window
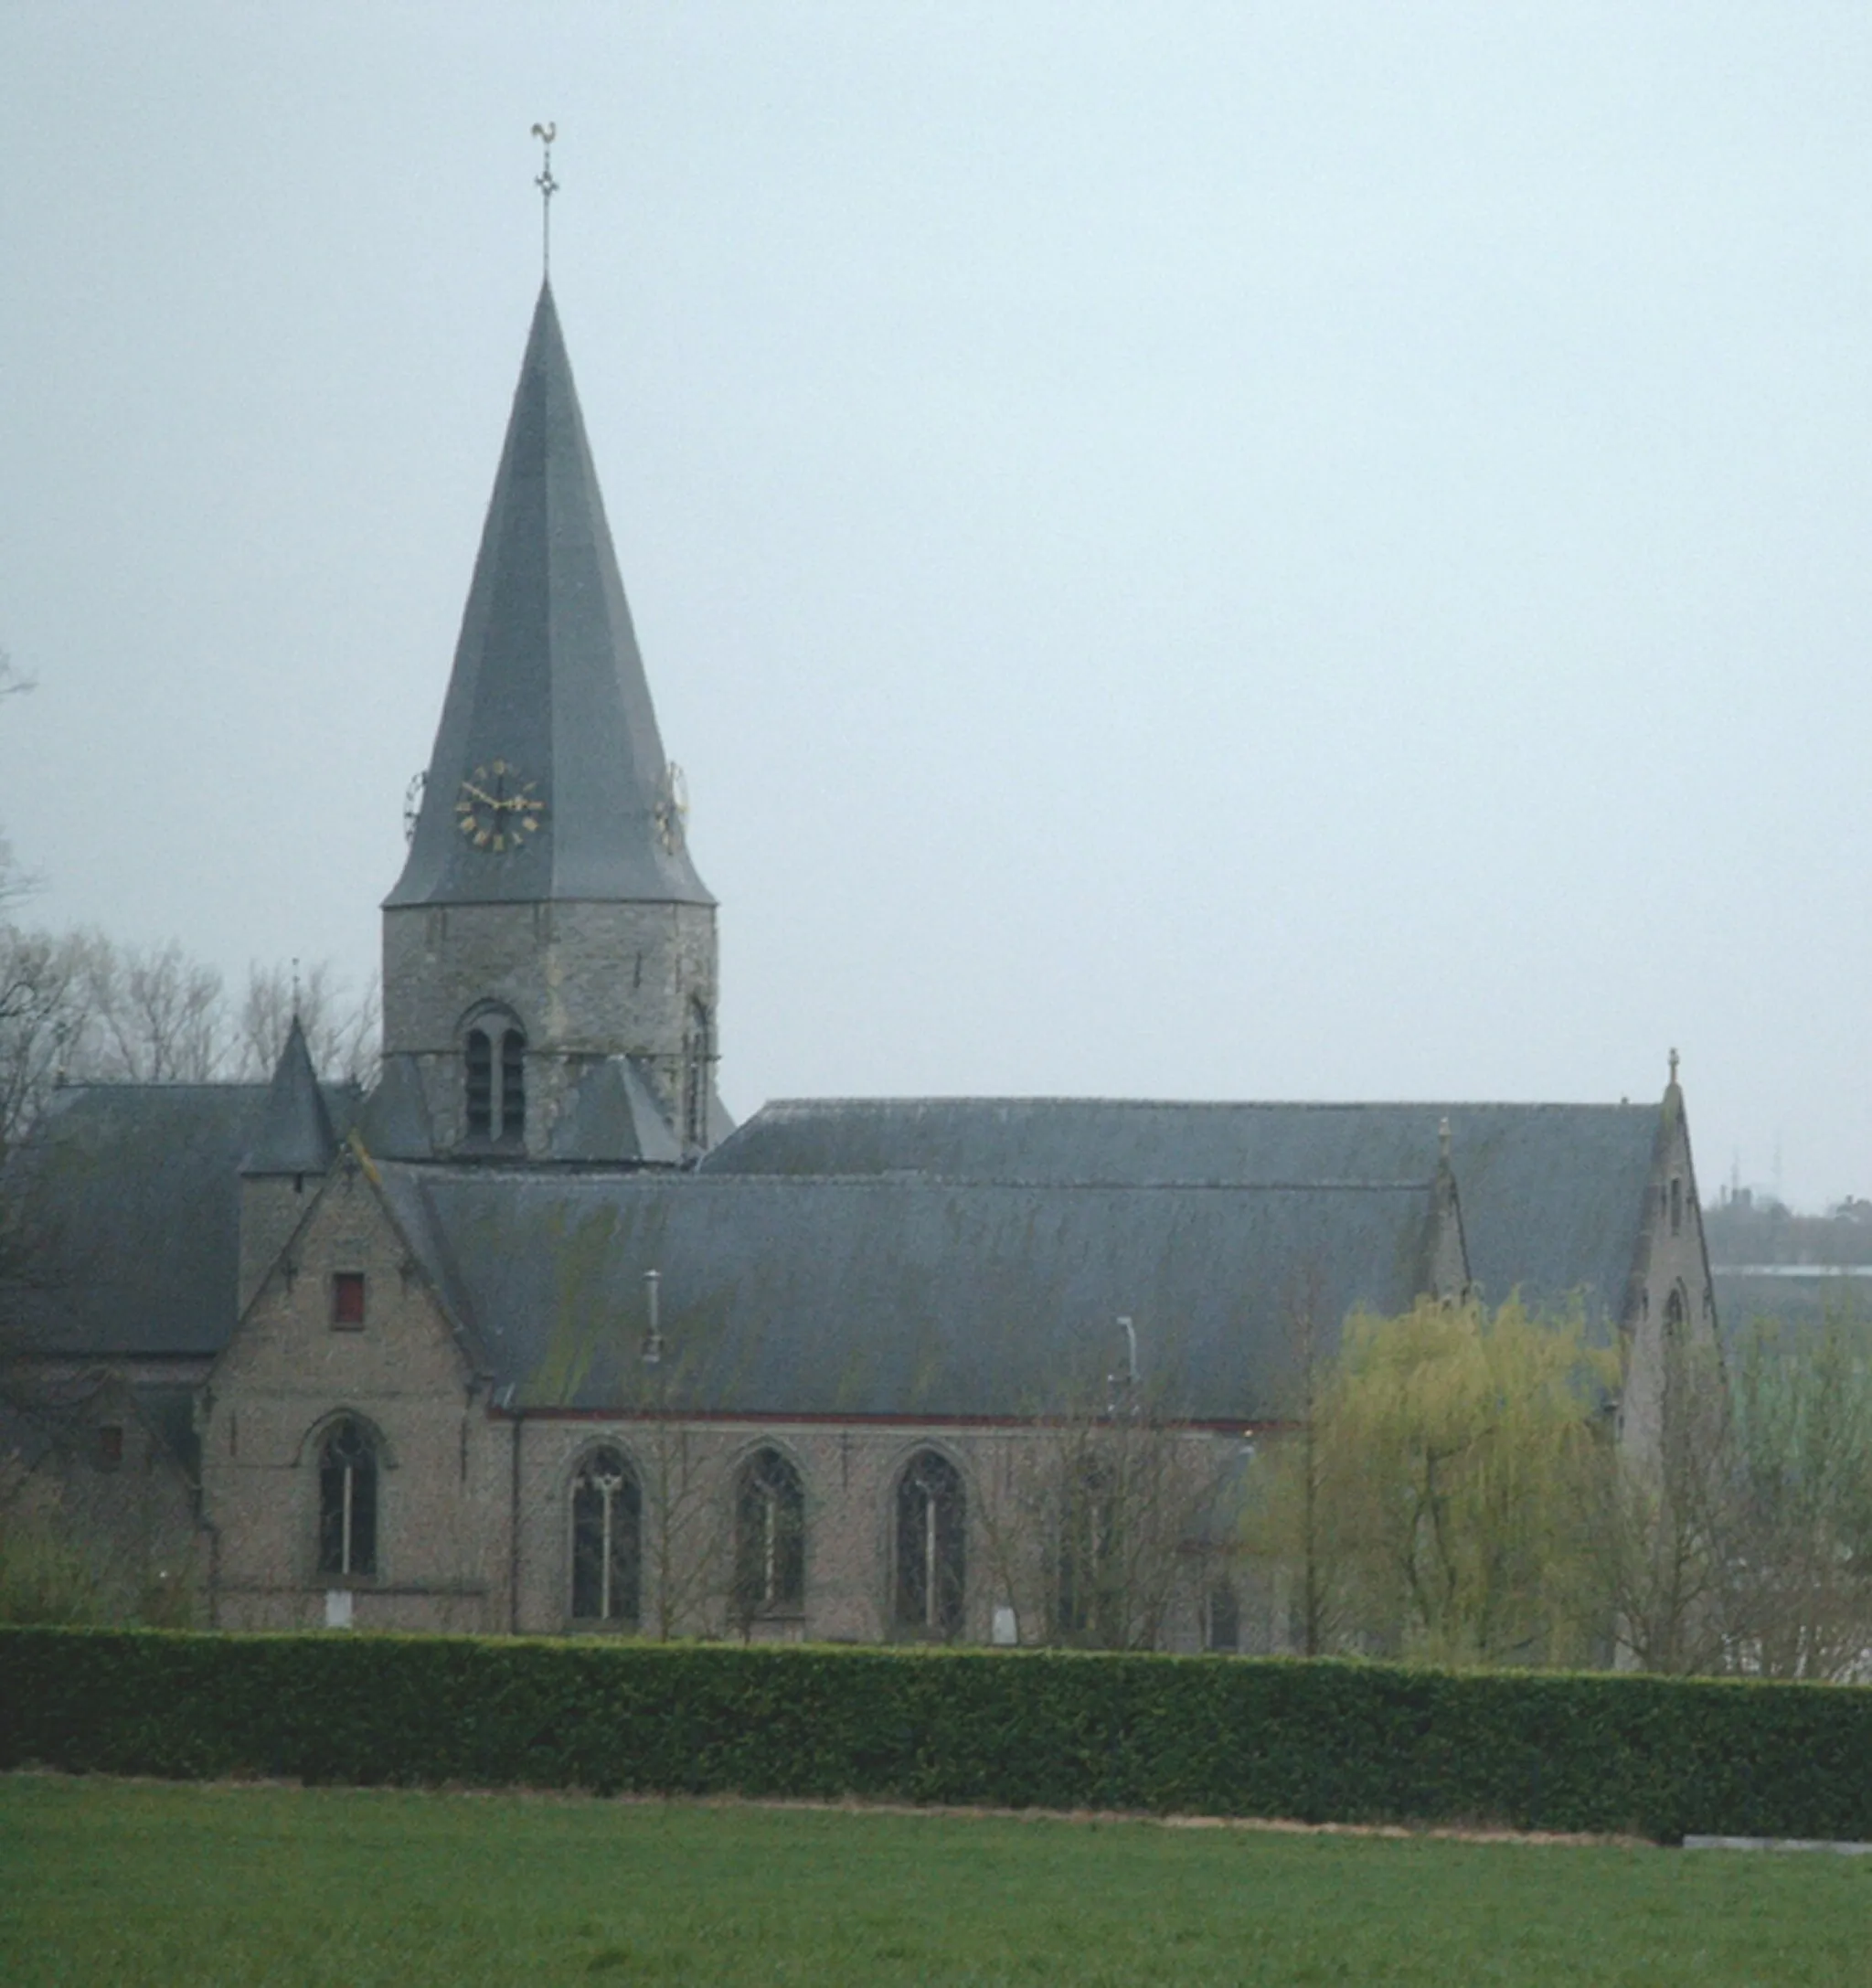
[[931, 1546], [770, 1537], [348, 1467], [607, 1540]]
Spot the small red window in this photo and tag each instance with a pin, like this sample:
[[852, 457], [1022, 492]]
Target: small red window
[[347, 1298], [110, 1445]]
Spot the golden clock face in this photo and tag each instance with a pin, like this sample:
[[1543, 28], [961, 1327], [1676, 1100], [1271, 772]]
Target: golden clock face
[[496, 810]]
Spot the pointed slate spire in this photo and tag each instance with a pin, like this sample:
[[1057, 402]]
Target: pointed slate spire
[[295, 1132], [547, 703]]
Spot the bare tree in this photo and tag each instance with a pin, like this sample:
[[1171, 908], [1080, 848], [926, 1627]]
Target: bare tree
[[340, 1032], [154, 1015], [43, 1012], [687, 1530], [14, 883], [1797, 1571], [1100, 1517], [1293, 1521], [1669, 1522]]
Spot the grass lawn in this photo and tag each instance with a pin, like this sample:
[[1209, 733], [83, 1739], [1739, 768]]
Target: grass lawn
[[120, 1882]]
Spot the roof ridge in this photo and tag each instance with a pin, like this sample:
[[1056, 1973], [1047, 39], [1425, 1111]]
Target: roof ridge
[[1209, 1104], [437, 1172]]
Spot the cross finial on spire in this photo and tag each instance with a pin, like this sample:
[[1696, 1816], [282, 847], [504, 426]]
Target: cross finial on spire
[[296, 986], [547, 186], [1674, 1066]]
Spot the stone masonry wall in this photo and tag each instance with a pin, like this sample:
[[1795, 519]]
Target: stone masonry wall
[[584, 980]]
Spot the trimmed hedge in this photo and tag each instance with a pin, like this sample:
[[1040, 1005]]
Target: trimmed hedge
[[1321, 1741]]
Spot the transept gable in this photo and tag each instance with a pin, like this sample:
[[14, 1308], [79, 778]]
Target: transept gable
[[347, 1305]]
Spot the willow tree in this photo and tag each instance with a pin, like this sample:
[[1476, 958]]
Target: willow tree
[[1456, 1471]]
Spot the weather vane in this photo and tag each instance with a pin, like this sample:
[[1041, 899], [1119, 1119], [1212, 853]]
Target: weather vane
[[547, 186]]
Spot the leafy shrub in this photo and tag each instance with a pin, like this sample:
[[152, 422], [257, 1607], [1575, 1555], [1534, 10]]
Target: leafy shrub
[[1322, 1741], [45, 1576]]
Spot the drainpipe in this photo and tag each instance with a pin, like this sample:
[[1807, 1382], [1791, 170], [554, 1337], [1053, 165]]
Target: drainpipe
[[514, 1536]]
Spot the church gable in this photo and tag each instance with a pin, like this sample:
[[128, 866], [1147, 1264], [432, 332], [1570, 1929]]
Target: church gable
[[344, 1309], [1670, 1314], [347, 1455]]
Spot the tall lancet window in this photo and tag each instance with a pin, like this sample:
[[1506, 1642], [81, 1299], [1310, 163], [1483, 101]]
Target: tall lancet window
[[347, 1500], [770, 1537], [698, 1054], [930, 1530], [493, 1063], [607, 1540]]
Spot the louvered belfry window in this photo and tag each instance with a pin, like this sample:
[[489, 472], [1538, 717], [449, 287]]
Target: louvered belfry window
[[513, 1085], [480, 1084], [494, 1075]]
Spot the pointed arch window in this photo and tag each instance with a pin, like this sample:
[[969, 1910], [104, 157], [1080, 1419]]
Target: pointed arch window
[[347, 1474], [493, 1063], [931, 1548], [931, 1542], [1677, 1314], [770, 1537], [607, 1540]]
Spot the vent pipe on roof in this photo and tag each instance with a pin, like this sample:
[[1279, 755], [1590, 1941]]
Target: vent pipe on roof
[[652, 1336], [1124, 1383]]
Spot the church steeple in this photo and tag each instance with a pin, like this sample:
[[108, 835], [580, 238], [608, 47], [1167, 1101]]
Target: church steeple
[[295, 1132], [292, 1150], [549, 779], [549, 954]]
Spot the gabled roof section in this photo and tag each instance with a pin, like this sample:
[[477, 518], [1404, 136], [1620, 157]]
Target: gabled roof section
[[548, 701], [295, 1132], [1553, 1195]]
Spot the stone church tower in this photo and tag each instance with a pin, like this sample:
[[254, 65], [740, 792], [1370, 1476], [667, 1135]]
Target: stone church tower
[[550, 953]]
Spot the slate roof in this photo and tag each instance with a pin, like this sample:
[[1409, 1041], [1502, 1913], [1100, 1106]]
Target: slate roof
[[927, 1259], [549, 682], [294, 1134], [1552, 1195], [908, 1297], [132, 1192]]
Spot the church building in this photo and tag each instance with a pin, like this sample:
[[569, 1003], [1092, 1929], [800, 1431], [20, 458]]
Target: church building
[[531, 1338]]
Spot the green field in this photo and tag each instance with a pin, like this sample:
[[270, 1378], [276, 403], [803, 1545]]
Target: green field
[[127, 1882]]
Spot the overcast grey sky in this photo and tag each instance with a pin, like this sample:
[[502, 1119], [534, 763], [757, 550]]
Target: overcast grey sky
[[1186, 550]]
